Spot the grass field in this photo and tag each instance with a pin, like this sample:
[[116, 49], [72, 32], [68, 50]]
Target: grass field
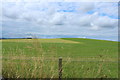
[[38, 58]]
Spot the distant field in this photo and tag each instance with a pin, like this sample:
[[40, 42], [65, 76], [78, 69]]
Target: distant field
[[40, 40], [38, 58]]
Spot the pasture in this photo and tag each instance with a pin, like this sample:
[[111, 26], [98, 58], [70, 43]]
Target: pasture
[[38, 58]]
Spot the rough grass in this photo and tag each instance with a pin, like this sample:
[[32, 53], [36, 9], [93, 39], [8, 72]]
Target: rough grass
[[38, 58]]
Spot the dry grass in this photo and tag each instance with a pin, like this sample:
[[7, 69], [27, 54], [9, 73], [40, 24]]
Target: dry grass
[[33, 67], [40, 40]]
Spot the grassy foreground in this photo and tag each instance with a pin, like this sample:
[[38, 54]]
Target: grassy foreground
[[38, 58]]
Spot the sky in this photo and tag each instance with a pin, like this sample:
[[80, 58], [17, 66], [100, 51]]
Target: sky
[[97, 20]]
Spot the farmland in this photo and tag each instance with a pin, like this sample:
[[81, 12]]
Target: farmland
[[38, 58]]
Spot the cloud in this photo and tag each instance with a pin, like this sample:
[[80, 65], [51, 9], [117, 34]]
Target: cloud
[[93, 21], [58, 19], [44, 13], [94, 27], [105, 22], [108, 9], [86, 18], [85, 7]]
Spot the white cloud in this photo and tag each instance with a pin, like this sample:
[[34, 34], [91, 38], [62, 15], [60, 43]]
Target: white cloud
[[84, 7], [105, 22], [45, 18], [94, 27], [45, 14], [62, 0], [109, 8], [58, 19]]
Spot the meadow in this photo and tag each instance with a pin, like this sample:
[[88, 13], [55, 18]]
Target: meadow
[[38, 58]]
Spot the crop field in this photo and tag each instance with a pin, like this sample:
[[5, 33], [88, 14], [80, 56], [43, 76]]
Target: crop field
[[38, 58]]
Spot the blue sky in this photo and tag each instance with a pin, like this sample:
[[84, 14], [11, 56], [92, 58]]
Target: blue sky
[[83, 19]]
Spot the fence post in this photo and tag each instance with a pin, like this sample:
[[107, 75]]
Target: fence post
[[60, 68]]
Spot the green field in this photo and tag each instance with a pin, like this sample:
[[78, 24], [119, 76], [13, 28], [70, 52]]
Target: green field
[[38, 58]]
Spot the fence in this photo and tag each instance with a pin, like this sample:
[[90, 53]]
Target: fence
[[60, 61]]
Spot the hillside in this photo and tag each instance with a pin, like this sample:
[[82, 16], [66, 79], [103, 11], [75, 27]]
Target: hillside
[[76, 53]]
